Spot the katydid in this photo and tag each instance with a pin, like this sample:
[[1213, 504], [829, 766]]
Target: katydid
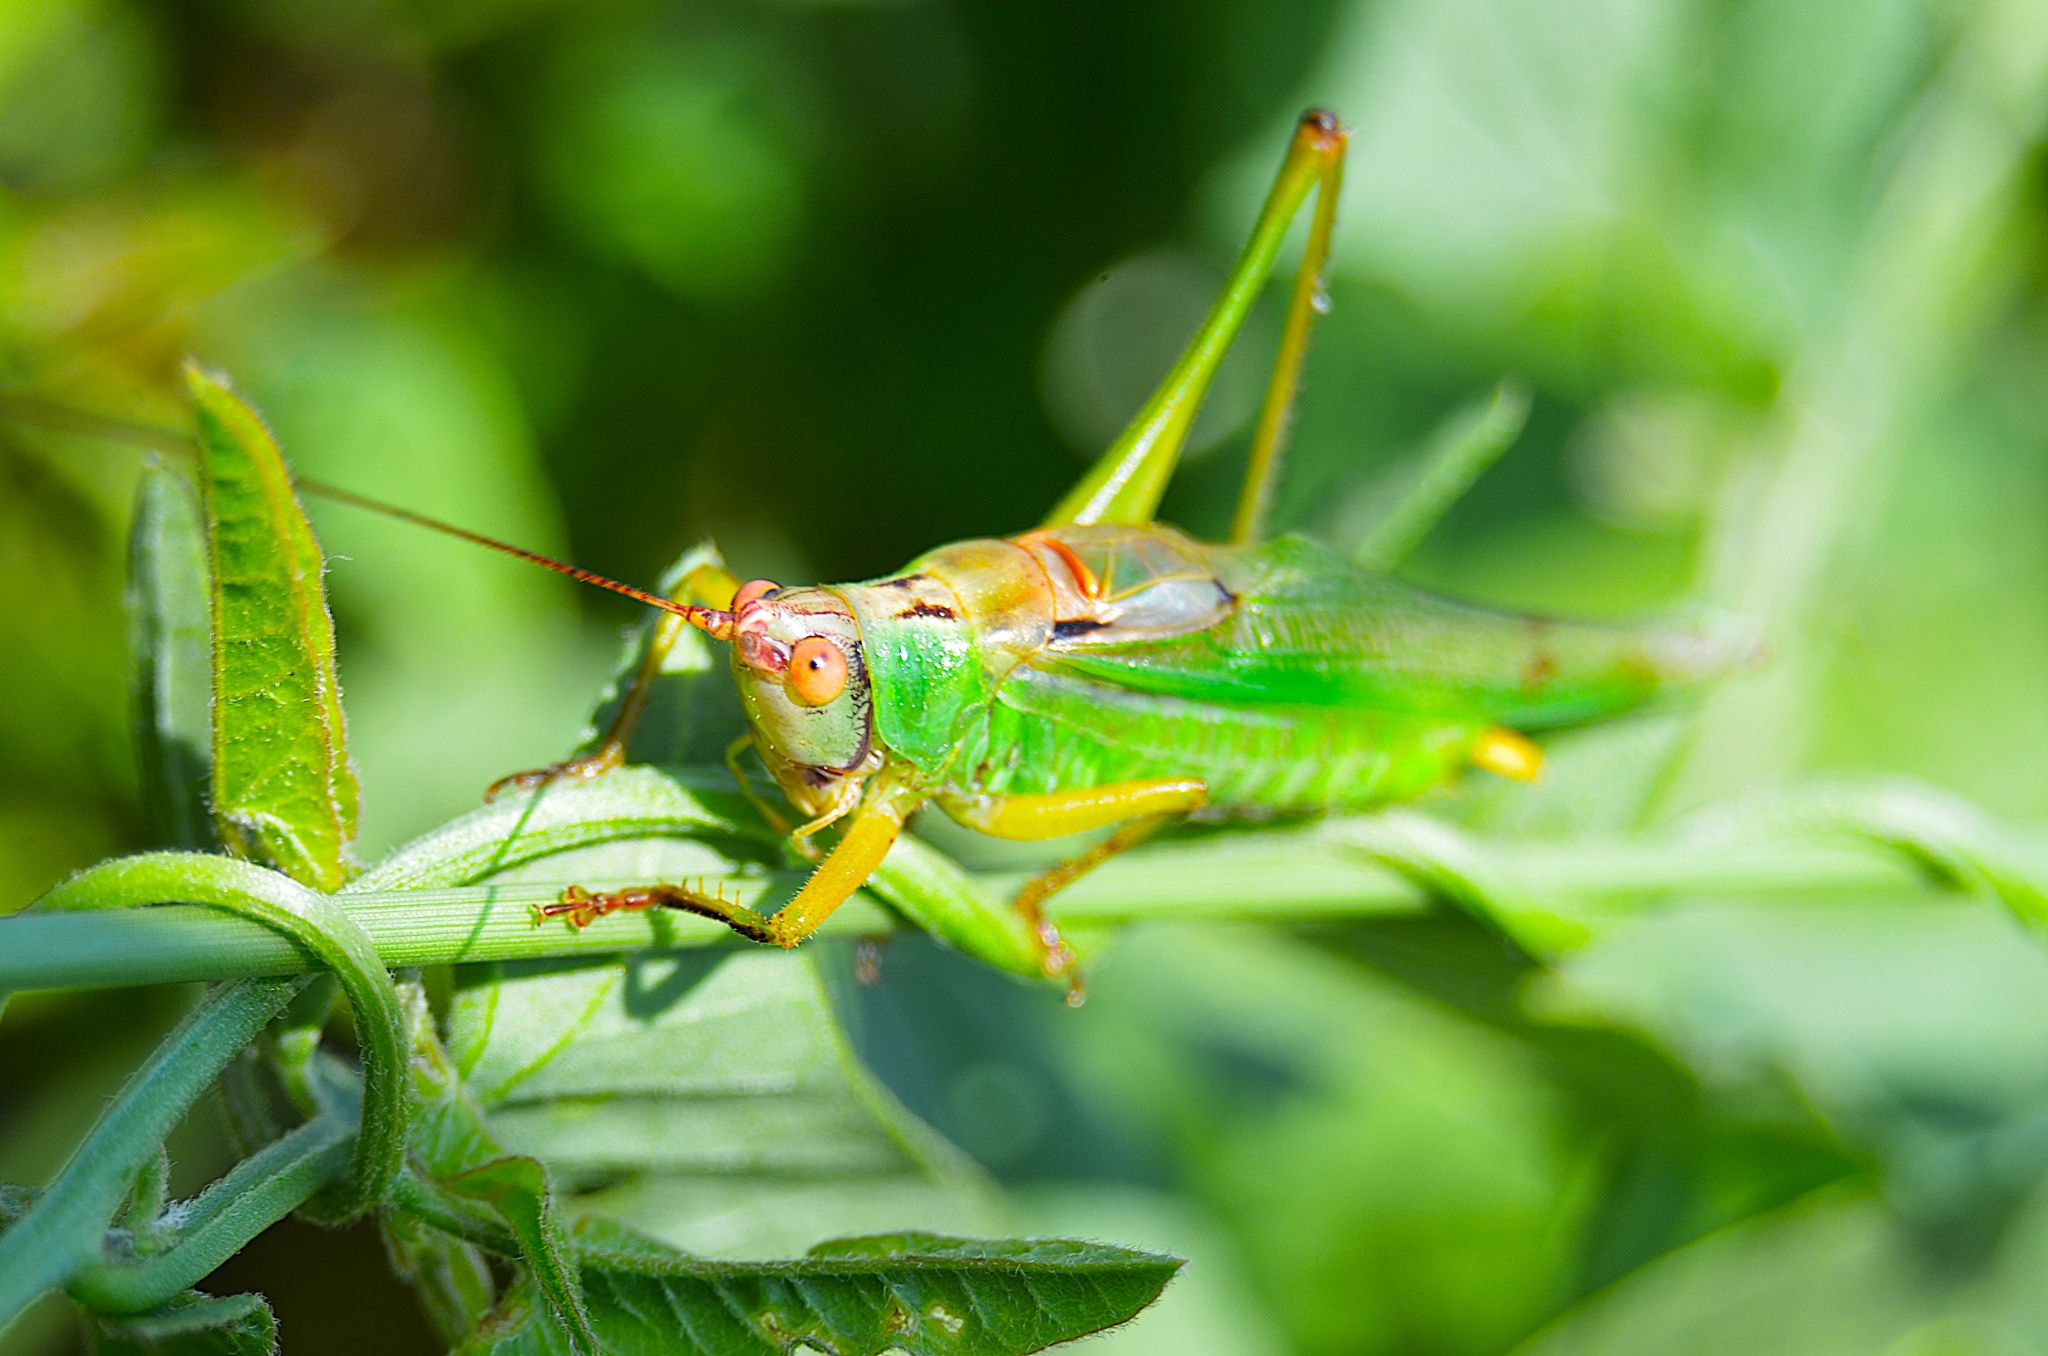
[[1102, 671]]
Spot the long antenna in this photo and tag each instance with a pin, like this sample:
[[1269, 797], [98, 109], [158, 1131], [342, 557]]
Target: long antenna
[[28, 409], [710, 620]]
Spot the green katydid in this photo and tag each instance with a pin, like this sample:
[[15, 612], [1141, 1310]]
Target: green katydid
[[1102, 671]]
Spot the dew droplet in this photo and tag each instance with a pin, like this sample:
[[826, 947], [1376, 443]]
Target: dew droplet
[[1320, 299]]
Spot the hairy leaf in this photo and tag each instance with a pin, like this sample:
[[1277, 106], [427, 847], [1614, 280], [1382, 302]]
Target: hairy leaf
[[450, 1276], [708, 1098], [283, 790], [170, 629], [191, 1325], [468, 1175], [517, 1191], [920, 1293]]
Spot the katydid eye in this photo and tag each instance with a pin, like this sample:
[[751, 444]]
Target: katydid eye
[[817, 671], [752, 591]]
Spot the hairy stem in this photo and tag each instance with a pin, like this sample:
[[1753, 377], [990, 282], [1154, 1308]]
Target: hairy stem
[[62, 1232], [261, 1190], [323, 935]]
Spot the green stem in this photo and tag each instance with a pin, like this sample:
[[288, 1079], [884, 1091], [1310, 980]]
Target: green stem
[[1304, 876], [461, 1219], [62, 1232], [322, 934], [261, 1190]]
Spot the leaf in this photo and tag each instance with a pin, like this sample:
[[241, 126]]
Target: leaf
[[450, 1276], [193, 1324], [921, 1293], [517, 1191], [709, 1099], [170, 630], [283, 790], [722, 1084], [465, 1168]]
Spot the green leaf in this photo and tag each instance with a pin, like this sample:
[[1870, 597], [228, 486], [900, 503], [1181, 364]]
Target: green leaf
[[192, 1325], [517, 1191], [450, 1276], [465, 1183], [921, 1293], [283, 790], [708, 1098], [170, 631]]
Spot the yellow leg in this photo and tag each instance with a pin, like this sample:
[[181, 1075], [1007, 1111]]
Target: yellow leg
[[1506, 753], [1063, 812], [867, 840], [1141, 808], [707, 584]]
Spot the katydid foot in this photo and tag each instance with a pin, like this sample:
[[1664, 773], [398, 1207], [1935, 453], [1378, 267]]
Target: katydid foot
[[580, 908], [605, 758]]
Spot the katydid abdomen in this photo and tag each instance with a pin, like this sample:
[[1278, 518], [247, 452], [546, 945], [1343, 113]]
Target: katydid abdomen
[[1280, 674]]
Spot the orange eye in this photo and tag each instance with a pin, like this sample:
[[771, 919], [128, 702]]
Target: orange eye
[[752, 590], [817, 671]]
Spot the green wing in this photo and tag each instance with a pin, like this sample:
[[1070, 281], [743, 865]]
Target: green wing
[[1310, 628]]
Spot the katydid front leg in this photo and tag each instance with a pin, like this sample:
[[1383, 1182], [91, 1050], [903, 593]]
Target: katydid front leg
[[870, 833], [707, 585]]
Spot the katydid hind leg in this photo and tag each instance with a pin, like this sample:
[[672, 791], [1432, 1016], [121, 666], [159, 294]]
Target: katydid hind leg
[[1308, 300], [1136, 809], [1059, 960], [1127, 481]]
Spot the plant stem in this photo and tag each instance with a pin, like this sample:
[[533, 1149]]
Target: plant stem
[[1281, 877], [261, 1190], [62, 1232], [328, 939]]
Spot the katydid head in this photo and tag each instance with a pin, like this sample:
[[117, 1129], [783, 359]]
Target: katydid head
[[796, 658]]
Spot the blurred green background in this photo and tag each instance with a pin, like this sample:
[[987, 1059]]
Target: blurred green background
[[834, 281]]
